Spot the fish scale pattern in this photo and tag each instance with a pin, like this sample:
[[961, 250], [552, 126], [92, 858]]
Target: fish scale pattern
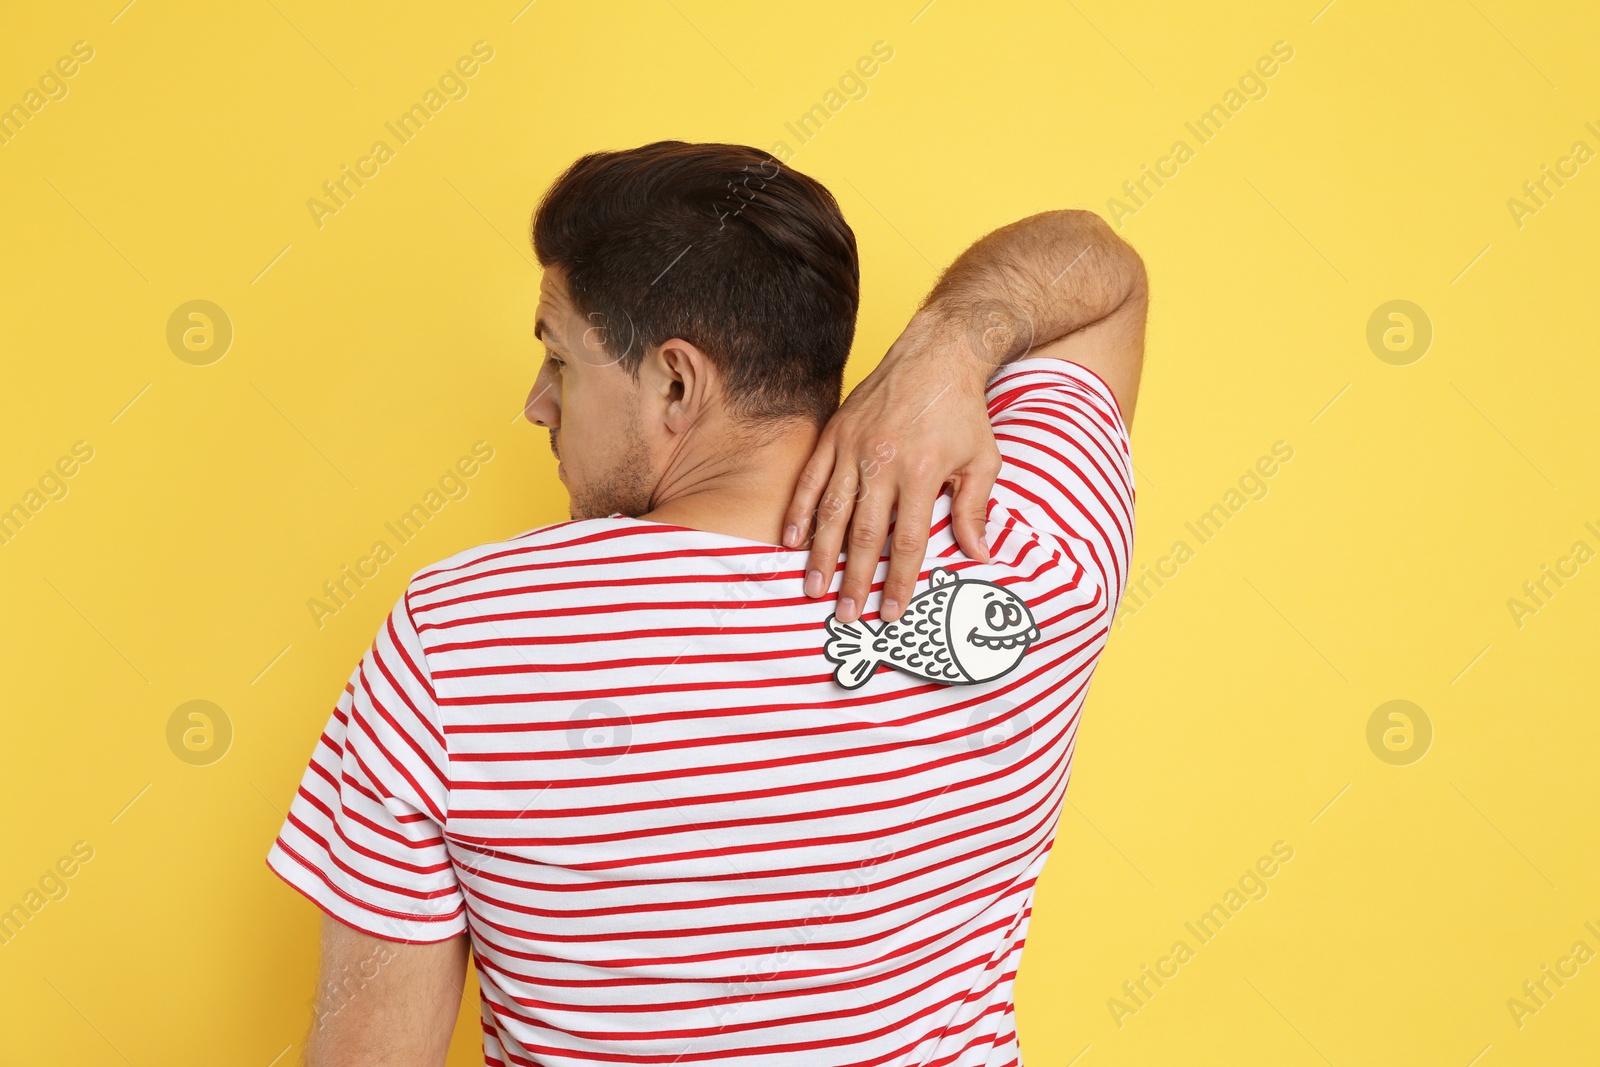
[[920, 639]]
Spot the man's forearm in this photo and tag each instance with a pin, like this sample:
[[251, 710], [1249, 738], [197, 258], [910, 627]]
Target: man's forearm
[[1033, 282]]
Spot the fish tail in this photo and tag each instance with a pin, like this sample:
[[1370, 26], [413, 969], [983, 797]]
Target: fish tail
[[849, 645]]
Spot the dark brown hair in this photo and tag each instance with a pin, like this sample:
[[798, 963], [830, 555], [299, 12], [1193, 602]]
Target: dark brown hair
[[722, 246]]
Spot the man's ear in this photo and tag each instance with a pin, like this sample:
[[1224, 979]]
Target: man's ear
[[683, 379]]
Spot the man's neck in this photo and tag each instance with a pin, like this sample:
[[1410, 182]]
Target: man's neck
[[740, 490]]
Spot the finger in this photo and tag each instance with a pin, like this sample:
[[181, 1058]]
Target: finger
[[869, 528], [832, 520], [907, 548], [808, 492], [969, 510]]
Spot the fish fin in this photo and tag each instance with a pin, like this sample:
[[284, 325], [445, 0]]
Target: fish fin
[[849, 645], [939, 576]]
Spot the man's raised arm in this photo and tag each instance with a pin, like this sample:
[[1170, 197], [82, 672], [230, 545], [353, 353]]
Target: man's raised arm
[[1059, 284]]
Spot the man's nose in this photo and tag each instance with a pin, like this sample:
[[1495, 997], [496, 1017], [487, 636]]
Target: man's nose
[[542, 407]]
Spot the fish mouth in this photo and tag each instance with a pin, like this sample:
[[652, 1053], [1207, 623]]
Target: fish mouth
[[1000, 642]]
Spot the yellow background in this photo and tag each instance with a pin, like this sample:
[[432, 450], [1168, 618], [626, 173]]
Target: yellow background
[[1230, 711]]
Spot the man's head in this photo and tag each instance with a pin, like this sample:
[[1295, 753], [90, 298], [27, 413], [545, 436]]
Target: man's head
[[685, 286]]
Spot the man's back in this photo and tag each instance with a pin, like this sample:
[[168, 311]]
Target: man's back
[[615, 753]]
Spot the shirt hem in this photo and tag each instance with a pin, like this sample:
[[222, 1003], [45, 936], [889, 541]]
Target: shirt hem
[[281, 854]]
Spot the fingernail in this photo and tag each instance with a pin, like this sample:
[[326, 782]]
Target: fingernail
[[790, 534], [889, 610], [813, 583], [847, 606]]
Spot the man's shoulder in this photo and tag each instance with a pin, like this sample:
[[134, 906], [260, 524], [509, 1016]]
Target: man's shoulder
[[1066, 461], [1031, 374]]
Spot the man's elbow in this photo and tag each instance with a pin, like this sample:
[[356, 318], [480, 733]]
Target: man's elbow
[[1137, 280], [1110, 266]]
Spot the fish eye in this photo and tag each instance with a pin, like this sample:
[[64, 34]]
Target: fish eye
[[995, 615], [1013, 615]]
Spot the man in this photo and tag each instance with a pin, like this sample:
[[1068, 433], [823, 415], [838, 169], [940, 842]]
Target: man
[[692, 796]]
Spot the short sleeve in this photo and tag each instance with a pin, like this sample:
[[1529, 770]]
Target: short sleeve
[[364, 836], [1066, 467]]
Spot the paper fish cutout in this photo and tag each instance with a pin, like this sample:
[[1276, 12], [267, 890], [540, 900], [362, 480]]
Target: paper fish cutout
[[958, 631]]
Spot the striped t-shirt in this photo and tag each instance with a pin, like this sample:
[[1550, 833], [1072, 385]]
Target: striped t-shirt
[[615, 753]]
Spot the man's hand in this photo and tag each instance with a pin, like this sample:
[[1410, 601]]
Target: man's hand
[[917, 423], [384, 1003]]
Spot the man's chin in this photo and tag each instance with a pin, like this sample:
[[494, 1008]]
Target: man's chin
[[580, 507], [625, 493], [598, 509]]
